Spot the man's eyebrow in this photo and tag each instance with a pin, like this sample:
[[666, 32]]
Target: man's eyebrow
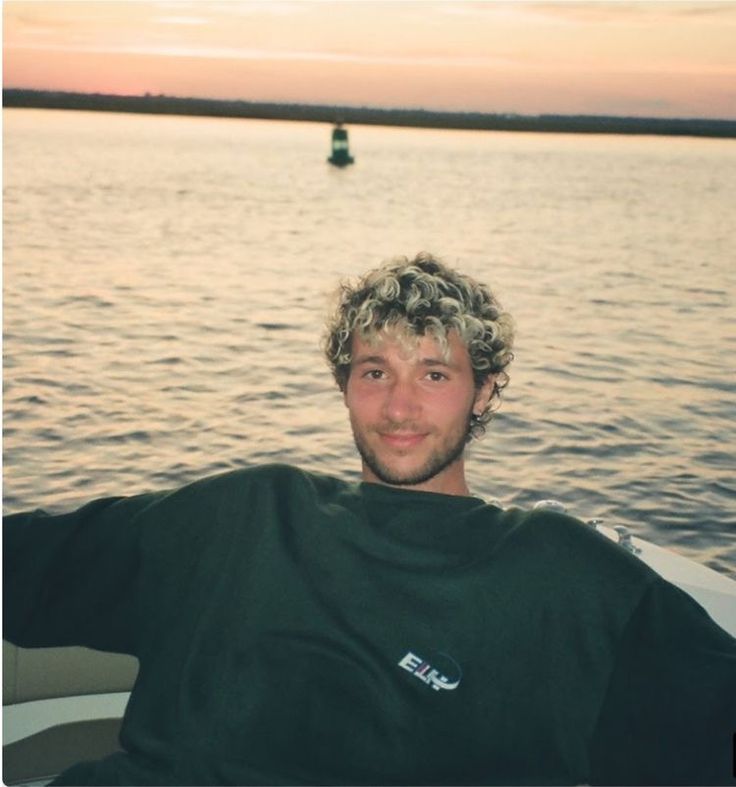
[[438, 362], [378, 359]]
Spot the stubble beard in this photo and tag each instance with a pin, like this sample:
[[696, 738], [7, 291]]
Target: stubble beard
[[439, 460]]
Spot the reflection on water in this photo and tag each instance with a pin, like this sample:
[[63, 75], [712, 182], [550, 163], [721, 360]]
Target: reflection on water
[[166, 279]]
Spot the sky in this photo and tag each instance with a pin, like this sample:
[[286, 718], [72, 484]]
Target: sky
[[652, 59]]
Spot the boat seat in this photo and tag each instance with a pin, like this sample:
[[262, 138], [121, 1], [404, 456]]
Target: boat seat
[[60, 706]]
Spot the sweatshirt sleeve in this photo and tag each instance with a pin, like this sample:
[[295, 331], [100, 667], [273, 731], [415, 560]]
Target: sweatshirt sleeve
[[669, 715], [71, 579]]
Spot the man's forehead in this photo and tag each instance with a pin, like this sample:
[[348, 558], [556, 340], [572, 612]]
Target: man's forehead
[[409, 344]]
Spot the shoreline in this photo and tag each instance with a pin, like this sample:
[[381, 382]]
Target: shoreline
[[14, 98]]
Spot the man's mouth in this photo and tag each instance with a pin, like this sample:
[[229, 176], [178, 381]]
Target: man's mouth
[[402, 439]]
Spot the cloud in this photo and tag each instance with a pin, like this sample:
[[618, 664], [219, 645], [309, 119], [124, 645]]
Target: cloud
[[626, 12], [180, 20], [235, 8], [250, 53]]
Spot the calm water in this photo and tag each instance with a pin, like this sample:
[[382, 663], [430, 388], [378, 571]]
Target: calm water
[[165, 281]]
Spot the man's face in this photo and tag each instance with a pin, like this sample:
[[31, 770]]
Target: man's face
[[410, 407]]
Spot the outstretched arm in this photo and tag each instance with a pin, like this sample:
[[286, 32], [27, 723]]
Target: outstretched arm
[[670, 709], [71, 579]]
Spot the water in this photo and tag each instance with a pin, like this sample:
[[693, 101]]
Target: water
[[165, 281]]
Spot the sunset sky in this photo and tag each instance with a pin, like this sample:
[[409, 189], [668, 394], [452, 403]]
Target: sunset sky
[[656, 59]]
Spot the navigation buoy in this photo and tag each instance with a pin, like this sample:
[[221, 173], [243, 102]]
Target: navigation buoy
[[340, 156]]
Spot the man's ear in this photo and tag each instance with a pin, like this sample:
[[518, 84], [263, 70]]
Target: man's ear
[[483, 395]]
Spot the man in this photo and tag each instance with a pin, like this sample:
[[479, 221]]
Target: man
[[293, 628]]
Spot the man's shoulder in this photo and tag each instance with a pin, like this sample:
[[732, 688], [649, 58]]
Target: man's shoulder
[[276, 477], [244, 500], [568, 547], [555, 529]]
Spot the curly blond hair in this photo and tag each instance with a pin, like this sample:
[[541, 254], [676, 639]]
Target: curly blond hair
[[424, 297]]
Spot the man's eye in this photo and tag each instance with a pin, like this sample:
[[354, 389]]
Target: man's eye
[[374, 374], [436, 377]]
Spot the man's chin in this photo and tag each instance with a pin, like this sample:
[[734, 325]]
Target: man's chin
[[407, 475], [394, 479]]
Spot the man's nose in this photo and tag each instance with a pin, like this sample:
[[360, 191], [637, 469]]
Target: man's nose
[[402, 403]]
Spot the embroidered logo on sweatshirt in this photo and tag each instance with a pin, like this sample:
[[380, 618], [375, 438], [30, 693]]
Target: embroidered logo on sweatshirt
[[443, 673]]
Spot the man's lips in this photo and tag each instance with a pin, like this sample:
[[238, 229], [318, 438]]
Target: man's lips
[[402, 439]]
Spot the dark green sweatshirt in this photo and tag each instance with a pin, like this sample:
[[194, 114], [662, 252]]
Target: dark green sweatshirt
[[296, 629]]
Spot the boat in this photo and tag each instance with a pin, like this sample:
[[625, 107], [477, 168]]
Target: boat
[[340, 155], [65, 705]]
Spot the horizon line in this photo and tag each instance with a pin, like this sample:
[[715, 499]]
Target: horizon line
[[147, 96], [470, 120]]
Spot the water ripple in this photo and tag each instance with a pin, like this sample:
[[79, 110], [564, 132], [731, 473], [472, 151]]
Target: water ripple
[[163, 322]]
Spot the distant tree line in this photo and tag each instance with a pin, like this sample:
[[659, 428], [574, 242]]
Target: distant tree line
[[169, 105]]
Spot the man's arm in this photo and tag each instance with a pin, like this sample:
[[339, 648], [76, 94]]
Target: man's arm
[[670, 710], [71, 579]]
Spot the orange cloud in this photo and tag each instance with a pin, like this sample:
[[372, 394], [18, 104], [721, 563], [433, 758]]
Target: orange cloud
[[631, 58]]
